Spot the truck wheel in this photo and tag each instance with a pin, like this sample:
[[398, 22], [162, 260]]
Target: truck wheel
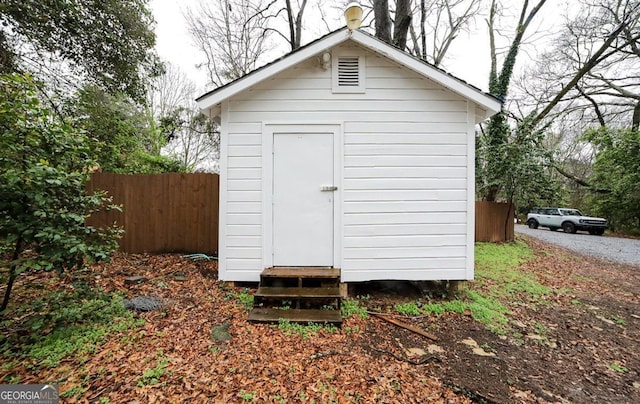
[[598, 232], [532, 224], [553, 228], [569, 227]]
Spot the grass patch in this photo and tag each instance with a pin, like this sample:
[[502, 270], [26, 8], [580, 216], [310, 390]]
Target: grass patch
[[618, 368], [351, 307], [498, 281], [61, 324], [497, 267], [244, 298], [304, 330], [408, 309], [152, 376]]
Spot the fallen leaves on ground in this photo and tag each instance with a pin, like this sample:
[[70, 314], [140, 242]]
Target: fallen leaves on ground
[[260, 362], [579, 343]]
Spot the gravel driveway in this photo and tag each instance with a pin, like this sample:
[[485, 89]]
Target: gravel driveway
[[623, 250]]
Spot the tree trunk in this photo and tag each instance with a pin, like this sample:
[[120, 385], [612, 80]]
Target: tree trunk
[[292, 30], [401, 26], [491, 194], [509, 217], [383, 21], [12, 274], [635, 123], [296, 45]]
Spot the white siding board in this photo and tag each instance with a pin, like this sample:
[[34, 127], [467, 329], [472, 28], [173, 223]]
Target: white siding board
[[368, 274], [403, 206], [399, 264], [246, 150], [374, 184], [244, 139], [405, 172], [396, 126], [245, 161], [242, 128], [431, 144], [406, 252], [235, 264], [244, 207], [244, 196], [244, 185], [235, 173], [405, 218], [429, 240], [244, 230], [394, 83], [372, 94], [244, 241], [398, 149], [252, 253], [405, 195], [309, 115], [342, 105], [244, 218], [402, 229], [410, 139], [296, 83], [405, 161]]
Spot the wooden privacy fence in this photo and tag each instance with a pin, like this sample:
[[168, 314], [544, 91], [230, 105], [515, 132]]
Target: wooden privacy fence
[[162, 212], [491, 218]]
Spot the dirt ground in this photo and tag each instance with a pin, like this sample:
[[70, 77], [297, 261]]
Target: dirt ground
[[578, 345], [563, 351]]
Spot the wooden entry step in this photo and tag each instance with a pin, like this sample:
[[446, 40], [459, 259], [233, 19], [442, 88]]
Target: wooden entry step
[[301, 272], [270, 315], [295, 292], [298, 294]]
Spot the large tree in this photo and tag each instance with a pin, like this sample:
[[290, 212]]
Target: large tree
[[44, 166], [494, 162], [107, 43], [235, 35], [192, 137], [585, 80], [440, 24], [122, 137], [617, 168], [392, 26]]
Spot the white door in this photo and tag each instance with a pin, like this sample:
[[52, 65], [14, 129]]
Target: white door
[[302, 209]]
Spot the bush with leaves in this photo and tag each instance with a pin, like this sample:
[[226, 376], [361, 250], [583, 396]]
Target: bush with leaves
[[44, 166], [617, 169], [121, 140], [516, 167]]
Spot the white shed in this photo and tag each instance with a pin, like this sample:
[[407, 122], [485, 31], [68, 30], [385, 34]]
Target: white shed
[[348, 153]]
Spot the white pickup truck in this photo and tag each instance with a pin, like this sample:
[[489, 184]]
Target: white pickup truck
[[569, 220]]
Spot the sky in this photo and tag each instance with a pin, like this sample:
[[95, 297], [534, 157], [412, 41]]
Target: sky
[[173, 42], [468, 58]]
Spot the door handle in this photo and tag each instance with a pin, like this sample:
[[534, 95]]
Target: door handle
[[328, 188]]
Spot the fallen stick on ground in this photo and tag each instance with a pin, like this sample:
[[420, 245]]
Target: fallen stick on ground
[[404, 325], [420, 361]]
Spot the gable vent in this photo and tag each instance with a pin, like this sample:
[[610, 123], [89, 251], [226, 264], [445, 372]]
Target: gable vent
[[348, 71]]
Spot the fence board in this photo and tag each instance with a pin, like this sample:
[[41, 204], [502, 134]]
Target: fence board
[[171, 212], [490, 222]]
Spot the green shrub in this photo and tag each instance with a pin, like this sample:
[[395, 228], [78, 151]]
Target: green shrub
[[350, 308]]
